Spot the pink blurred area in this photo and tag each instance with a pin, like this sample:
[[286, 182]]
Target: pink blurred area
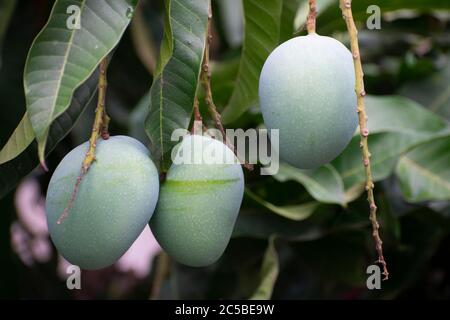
[[32, 244]]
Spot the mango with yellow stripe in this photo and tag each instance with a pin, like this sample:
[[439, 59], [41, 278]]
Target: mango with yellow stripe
[[199, 201]]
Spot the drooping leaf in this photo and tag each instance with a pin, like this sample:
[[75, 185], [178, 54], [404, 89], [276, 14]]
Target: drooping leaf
[[396, 124], [324, 183], [174, 87], [294, 212], [65, 54], [12, 171], [424, 172], [262, 34], [400, 114], [21, 138], [269, 273]]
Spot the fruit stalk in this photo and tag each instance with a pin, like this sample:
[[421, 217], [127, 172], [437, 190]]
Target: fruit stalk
[[311, 18], [197, 114], [346, 8], [99, 129], [205, 78]]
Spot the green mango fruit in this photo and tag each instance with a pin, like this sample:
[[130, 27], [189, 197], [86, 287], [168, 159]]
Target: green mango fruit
[[114, 202], [199, 201], [307, 91]]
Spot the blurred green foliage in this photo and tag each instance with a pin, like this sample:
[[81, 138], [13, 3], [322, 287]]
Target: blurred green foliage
[[300, 234]]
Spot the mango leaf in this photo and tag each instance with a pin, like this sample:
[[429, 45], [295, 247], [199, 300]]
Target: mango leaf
[[21, 138], [324, 183], [269, 273], [424, 172], [294, 212], [400, 114], [174, 87], [262, 34], [396, 125], [77, 36], [12, 171]]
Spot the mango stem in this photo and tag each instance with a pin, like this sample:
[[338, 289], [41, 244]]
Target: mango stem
[[346, 8], [205, 78], [311, 18], [99, 129]]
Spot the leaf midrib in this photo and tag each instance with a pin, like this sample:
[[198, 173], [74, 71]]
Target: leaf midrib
[[66, 55]]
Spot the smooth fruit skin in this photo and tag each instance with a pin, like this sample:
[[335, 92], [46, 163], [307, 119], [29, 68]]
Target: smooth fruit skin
[[115, 201], [198, 205], [306, 90]]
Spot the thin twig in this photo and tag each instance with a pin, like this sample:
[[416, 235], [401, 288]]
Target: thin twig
[[161, 272], [346, 7], [311, 18], [197, 114], [99, 129], [206, 82], [197, 126]]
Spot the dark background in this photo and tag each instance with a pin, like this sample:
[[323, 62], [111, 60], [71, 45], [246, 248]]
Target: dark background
[[330, 264]]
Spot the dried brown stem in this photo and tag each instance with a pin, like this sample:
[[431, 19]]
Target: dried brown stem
[[99, 129], [205, 78], [346, 8], [311, 18], [161, 272]]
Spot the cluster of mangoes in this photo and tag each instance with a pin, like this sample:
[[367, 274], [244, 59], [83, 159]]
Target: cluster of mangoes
[[306, 92], [192, 215]]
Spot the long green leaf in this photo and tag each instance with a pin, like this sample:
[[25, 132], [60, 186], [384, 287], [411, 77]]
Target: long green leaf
[[424, 172], [262, 34], [12, 171], [62, 58], [174, 88], [269, 273], [294, 212]]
